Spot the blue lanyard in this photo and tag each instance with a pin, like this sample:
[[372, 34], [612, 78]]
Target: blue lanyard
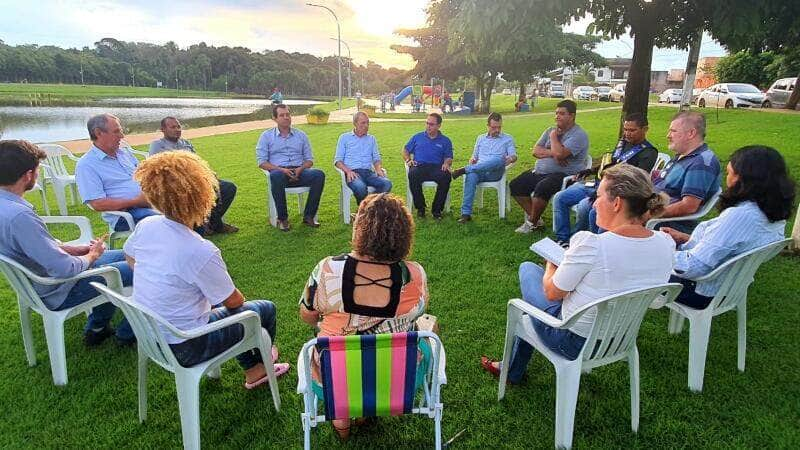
[[619, 156]]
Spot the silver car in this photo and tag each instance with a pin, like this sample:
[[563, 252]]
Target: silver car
[[780, 91], [671, 96], [731, 95]]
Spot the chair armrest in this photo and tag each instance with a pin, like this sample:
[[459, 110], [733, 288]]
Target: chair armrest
[[139, 152], [72, 157], [651, 224], [109, 273], [243, 318], [81, 222], [125, 216], [536, 313], [302, 380]]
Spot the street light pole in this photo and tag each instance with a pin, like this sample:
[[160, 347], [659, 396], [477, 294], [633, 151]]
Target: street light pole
[[349, 68], [339, 34]]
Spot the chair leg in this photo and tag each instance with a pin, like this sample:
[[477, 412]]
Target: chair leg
[[54, 333], [273, 384], [300, 202], [568, 379], [675, 322], [741, 315], [438, 425], [61, 198], [214, 373], [273, 213], [73, 194], [513, 318], [480, 197], [27, 335], [306, 431], [45, 205], [188, 388], [142, 386], [699, 331], [345, 201], [633, 366], [501, 202]]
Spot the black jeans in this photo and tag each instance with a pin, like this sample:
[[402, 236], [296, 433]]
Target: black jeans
[[688, 296], [227, 192], [429, 172]]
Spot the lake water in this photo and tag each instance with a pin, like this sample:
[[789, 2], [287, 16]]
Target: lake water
[[138, 115]]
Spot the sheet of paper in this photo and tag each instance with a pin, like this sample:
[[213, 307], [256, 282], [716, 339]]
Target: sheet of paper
[[549, 250]]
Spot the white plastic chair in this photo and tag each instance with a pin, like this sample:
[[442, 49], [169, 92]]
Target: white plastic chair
[[425, 184], [42, 189], [612, 339], [503, 193], [299, 191], [147, 326], [113, 234], [346, 193], [28, 300], [737, 274], [661, 161], [139, 153], [430, 403], [58, 175], [704, 209], [587, 165]]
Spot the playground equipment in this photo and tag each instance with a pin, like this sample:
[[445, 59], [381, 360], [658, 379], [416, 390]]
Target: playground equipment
[[427, 91]]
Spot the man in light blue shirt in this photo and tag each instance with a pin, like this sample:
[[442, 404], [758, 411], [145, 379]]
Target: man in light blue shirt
[[25, 239], [356, 155], [493, 152], [285, 153], [105, 174], [171, 127]]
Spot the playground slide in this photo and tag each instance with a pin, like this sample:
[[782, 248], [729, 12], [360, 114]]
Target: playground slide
[[403, 94]]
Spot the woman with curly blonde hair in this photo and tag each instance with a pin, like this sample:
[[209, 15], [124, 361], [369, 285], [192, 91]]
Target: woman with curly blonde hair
[[182, 276], [372, 289]]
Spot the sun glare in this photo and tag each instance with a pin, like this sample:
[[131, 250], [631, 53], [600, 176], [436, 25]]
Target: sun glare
[[381, 18]]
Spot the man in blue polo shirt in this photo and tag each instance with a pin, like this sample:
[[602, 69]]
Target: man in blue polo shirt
[[356, 155], [428, 155], [104, 174], [693, 176], [493, 152], [285, 153]]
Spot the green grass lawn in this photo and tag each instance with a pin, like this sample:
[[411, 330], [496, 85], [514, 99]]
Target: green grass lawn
[[472, 271]]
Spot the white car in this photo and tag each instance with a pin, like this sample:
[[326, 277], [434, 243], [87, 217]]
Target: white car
[[731, 95], [671, 96], [506, 91], [618, 93], [583, 93]]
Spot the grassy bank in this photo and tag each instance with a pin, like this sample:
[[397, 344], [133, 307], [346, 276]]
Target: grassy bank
[[42, 93], [472, 272]]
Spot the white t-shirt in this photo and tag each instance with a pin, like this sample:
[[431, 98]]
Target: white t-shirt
[[599, 265], [178, 274]]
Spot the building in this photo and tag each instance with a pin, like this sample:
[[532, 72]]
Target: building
[[705, 72]]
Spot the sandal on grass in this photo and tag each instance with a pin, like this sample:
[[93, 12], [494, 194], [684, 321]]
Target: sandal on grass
[[280, 369], [488, 365]]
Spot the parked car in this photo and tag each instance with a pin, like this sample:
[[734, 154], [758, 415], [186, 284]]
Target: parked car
[[731, 95], [556, 89], [696, 93], [506, 91], [618, 93], [583, 93], [602, 93], [671, 96], [780, 91]]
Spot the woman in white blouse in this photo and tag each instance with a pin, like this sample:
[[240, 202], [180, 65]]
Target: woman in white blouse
[[182, 276], [628, 256], [758, 199]]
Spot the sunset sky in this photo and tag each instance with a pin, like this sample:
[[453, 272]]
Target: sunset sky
[[367, 26]]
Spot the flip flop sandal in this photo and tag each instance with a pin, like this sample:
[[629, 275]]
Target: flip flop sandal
[[487, 365], [280, 369]]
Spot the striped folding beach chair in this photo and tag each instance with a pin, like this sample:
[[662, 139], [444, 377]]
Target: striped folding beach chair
[[370, 376]]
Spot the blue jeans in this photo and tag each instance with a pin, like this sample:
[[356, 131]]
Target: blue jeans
[[194, 351], [312, 178], [137, 214], [366, 178], [561, 341], [83, 292], [488, 170], [562, 202]]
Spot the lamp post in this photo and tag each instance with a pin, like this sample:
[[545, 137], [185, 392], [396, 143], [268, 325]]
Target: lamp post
[[349, 68], [339, 34]]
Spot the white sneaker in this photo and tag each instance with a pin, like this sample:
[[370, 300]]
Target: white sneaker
[[527, 226]]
